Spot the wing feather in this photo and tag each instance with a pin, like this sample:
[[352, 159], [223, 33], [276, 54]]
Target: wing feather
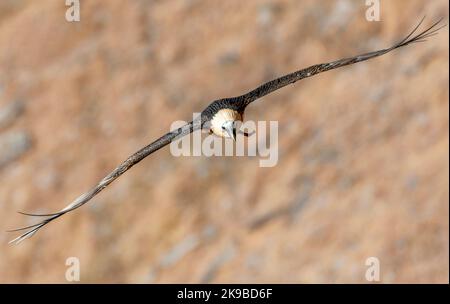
[[266, 88], [122, 168]]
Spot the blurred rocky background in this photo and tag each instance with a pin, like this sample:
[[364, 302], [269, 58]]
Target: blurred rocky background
[[363, 165]]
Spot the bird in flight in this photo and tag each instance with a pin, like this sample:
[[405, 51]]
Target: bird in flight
[[220, 118]]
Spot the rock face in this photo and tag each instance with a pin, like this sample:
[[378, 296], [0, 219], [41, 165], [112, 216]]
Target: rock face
[[363, 150], [10, 113], [14, 145]]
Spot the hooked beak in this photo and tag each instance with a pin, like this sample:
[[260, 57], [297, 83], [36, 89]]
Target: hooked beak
[[230, 129]]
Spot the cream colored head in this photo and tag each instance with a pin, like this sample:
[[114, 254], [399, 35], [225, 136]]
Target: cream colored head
[[223, 123]]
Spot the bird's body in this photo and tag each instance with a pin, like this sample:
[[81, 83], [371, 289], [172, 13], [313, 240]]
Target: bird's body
[[220, 117]]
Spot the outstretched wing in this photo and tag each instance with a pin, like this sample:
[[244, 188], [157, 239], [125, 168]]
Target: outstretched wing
[[122, 168], [244, 100]]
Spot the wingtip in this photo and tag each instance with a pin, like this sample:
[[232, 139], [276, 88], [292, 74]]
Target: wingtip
[[16, 241], [37, 214], [25, 235]]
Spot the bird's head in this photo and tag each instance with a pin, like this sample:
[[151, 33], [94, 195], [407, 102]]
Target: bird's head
[[229, 129], [225, 123]]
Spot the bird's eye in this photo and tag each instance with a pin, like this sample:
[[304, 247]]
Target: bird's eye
[[223, 127]]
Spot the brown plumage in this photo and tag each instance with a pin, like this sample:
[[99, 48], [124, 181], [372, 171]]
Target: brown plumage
[[220, 117]]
